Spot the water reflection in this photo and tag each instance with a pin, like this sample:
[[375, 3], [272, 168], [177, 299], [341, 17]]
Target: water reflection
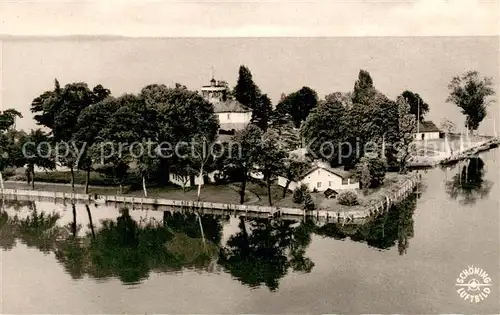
[[264, 250], [260, 251], [38, 230], [130, 250], [121, 248], [469, 183], [384, 232]]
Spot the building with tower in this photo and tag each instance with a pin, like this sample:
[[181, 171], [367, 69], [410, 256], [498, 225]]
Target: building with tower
[[232, 114]]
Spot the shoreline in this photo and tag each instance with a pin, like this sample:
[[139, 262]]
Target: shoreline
[[458, 156], [379, 204]]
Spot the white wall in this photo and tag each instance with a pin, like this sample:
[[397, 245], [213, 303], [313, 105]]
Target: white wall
[[322, 176], [234, 118], [59, 168], [184, 181], [427, 135]]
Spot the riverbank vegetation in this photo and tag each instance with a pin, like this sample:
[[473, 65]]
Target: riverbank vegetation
[[93, 118]]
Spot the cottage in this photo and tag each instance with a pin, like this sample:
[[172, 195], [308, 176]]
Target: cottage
[[232, 114], [321, 177], [427, 130]]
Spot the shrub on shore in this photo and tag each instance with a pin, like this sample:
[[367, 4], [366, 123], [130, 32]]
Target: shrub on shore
[[348, 198], [300, 193]]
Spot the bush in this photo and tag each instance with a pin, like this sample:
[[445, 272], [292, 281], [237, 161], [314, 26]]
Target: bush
[[18, 177], [9, 172], [299, 194], [309, 202], [348, 198]]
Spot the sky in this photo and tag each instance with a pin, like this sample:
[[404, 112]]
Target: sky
[[251, 18], [416, 45]]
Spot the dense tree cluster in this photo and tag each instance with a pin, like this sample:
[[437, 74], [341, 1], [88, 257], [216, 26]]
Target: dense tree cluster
[[340, 129]]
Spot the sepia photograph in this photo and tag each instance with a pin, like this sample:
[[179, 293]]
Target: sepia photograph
[[256, 157]]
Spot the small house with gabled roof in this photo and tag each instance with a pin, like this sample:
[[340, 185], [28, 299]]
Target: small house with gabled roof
[[427, 130], [320, 177]]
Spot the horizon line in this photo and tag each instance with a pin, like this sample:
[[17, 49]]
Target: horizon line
[[4, 36]]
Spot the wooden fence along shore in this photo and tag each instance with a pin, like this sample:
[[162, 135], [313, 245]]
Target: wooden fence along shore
[[394, 196]]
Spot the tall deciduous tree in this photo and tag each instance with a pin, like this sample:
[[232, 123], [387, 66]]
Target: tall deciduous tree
[[36, 151], [376, 167], [325, 130], [8, 118], [243, 155], [183, 116], [293, 168], [245, 91], [373, 123], [262, 112], [90, 123], [364, 90], [59, 110], [406, 129], [269, 159], [132, 123], [418, 107], [471, 93], [8, 139], [298, 105], [289, 135], [343, 98]]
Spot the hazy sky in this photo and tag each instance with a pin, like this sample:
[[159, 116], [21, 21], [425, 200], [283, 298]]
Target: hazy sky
[[251, 18], [407, 61]]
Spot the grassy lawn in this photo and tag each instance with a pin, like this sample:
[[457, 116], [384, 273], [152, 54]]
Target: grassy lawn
[[227, 193], [256, 192], [364, 197], [41, 186]]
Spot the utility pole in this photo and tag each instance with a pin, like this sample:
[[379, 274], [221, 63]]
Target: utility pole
[[418, 115]]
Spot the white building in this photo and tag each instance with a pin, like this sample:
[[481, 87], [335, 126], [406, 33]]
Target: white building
[[232, 115], [193, 180], [427, 130], [320, 177]]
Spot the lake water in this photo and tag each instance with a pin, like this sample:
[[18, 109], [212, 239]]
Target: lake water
[[146, 262]]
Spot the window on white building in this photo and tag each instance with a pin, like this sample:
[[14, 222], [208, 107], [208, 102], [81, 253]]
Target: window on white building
[[319, 184], [228, 116], [330, 183]]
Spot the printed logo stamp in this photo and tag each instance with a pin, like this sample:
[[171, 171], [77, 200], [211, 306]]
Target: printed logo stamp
[[473, 284]]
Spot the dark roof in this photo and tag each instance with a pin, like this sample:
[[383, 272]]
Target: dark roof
[[330, 192], [427, 126], [230, 106], [328, 169]]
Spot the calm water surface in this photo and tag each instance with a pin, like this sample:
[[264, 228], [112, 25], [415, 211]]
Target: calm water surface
[[55, 261]]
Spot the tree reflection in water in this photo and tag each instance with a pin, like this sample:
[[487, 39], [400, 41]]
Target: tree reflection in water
[[121, 248], [469, 183], [384, 232], [264, 249], [38, 230], [261, 253], [130, 250]]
